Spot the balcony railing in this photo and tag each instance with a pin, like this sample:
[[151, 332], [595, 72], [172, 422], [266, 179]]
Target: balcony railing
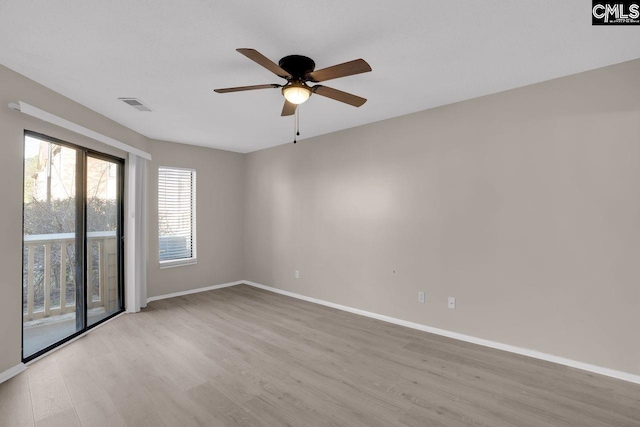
[[102, 281]]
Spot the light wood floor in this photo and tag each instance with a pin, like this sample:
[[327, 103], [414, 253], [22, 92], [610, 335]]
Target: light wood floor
[[243, 356]]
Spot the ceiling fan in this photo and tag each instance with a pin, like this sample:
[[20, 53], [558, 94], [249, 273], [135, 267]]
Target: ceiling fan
[[298, 70]]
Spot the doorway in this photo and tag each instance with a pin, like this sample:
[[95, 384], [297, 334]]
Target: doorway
[[72, 250]]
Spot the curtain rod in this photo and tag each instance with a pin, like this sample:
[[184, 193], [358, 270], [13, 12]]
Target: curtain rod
[[30, 110]]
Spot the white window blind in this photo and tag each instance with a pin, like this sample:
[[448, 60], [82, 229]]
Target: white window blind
[[176, 216]]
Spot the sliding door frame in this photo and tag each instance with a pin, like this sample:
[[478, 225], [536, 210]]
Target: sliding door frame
[[80, 274], [81, 239]]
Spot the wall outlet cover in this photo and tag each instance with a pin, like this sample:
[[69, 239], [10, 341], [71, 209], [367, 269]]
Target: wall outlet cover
[[420, 296], [452, 302]]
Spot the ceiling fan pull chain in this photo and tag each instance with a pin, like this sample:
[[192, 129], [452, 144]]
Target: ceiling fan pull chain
[[294, 126], [298, 119]]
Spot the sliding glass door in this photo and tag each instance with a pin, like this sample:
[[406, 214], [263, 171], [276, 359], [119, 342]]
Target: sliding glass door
[[72, 244]]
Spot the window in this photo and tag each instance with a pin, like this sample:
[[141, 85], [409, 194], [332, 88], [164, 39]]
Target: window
[[176, 216]]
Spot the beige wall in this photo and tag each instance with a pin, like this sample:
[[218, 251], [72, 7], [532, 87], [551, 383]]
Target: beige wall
[[523, 205], [219, 186], [219, 199]]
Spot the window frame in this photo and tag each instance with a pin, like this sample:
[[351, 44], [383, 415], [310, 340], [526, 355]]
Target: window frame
[[180, 262]]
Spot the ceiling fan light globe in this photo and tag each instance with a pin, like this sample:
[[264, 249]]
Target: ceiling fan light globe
[[296, 94]]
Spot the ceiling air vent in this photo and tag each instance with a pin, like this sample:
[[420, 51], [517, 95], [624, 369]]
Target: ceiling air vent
[[135, 103]]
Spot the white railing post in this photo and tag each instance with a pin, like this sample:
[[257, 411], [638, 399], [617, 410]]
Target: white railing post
[[89, 287], [63, 276], [30, 272], [103, 271], [47, 279]]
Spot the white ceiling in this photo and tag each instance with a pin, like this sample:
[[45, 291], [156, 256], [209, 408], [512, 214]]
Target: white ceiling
[[171, 54]]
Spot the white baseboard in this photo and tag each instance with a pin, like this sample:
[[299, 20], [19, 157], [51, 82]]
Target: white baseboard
[[480, 341], [12, 372], [194, 291]]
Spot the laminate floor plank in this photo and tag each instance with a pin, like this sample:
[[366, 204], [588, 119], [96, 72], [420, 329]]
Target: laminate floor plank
[[49, 394], [65, 418], [90, 400], [242, 356], [15, 402]]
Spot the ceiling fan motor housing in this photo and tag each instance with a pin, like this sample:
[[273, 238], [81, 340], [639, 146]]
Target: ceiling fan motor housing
[[298, 66]]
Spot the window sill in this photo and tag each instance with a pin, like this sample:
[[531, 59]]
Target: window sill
[[177, 263]]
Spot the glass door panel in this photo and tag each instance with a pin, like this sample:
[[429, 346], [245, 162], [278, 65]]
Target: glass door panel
[[103, 229], [50, 244]]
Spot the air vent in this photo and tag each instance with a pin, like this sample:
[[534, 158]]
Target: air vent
[[135, 103]]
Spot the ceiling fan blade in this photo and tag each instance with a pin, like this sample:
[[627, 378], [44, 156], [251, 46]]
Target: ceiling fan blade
[[260, 59], [339, 95], [341, 70], [289, 108], [242, 88]]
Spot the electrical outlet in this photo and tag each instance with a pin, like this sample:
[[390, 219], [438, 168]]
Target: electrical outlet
[[452, 302], [297, 274], [420, 296]]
